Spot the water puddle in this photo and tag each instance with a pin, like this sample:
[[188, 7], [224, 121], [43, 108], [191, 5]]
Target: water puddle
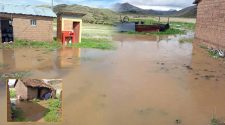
[[147, 80]]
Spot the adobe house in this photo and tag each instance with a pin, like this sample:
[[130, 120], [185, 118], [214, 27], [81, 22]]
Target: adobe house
[[69, 26], [25, 22], [210, 25], [28, 89]]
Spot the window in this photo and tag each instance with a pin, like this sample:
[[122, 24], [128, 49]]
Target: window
[[33, 22]]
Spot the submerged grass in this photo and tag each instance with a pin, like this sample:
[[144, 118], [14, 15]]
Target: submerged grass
[[54, 112], [18, 114], [98, 43], [170, 31], [32, 44], [186, 40], [94, 43]]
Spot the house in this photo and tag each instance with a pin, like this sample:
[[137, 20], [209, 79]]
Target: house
[[28, 89], [210, 25], [25, 22]]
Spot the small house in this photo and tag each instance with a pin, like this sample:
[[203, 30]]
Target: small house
[[28, 89], [69, 26], [210, 24], [26, 23]]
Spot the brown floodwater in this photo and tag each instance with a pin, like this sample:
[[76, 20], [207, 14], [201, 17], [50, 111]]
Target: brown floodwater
[[147, 80]]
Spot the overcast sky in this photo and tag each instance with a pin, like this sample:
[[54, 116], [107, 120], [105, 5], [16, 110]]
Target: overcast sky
[[146, 4]]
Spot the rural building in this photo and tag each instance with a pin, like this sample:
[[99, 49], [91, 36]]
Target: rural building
[[32, 88], [69, 25], [25, 22], [210, 26]]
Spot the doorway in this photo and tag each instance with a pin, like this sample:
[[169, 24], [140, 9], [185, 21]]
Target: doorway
[[6, 31], [76, 29]]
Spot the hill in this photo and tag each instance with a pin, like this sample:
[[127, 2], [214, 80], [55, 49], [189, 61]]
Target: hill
[[127, 8], [93, 15]]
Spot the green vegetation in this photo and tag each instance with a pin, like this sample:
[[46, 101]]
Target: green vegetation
[[93, 15], [213, 54], [97, 31], [186, 40], [18, 114], [54, 112], [183, 25], [214, 121], [98, 43], [32, 44], [12, 93], [95, 43], [170, 31]]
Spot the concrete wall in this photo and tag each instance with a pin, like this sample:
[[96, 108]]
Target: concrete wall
[[210, 26], [21, 90], [23, 29]]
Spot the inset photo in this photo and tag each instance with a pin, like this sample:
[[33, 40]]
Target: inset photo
[[34, 100]]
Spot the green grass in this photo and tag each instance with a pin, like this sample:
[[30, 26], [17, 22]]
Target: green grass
[[183, 25], [170, 31], [53, 114], [186, 40], [18, 113], [12, 93], [95, 43], [214, 121], [33, 44], [213, 54]]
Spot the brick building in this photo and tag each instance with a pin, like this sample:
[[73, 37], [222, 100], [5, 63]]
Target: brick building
[[210, 26], [25, 22]]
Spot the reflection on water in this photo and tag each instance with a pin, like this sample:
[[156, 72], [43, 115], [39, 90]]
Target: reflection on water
[[147, 80]]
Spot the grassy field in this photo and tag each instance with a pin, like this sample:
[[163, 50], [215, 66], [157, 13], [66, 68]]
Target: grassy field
[[97, 31]]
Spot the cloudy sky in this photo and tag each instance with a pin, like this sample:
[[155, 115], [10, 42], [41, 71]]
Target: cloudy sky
[[146, 4]]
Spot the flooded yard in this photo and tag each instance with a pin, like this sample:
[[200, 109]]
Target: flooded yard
[[146, 80]]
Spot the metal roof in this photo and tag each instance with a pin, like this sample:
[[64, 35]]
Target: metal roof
[[26, 10]]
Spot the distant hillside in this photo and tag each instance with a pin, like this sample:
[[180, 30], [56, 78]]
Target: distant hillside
[[127, 8], [189, 12], [93, 15]]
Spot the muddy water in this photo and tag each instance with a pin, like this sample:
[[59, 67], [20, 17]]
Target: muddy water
[[146, 81]]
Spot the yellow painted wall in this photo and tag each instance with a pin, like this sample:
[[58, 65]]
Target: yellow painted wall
[[72, 20]]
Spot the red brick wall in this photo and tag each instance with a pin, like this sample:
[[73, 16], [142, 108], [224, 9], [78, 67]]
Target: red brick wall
[[210, 27], [43, 31]]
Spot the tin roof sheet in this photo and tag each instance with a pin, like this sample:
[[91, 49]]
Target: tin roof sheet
[[26, 10]]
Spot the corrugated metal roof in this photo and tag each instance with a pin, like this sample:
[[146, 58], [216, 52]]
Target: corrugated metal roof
[[26, 10]]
